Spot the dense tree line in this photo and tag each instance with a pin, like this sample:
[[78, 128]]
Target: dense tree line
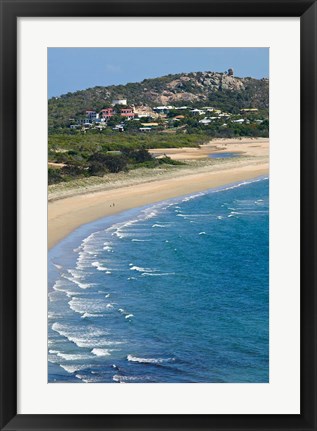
[[100, 163]]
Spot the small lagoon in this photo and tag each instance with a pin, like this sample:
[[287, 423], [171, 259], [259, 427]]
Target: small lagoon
[[226, 155]]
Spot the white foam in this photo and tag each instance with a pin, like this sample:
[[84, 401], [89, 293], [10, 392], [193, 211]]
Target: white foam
[[83, 260], [87, 315], [140, 269], [195, 215], [131, 358], [62, 286], [99, 266], [243, 183], [126, 314], [125, 379], [59, 284], [120, 229], [107, 246], [117, 378], [86, 379], [54, 296], [101, 352], [69, 356], [150, 212], [86, 338], [89, 238], [53, 315], [78, 376], [80, 284], [202, 233], [87, 305], [72, 368], [189, 198]]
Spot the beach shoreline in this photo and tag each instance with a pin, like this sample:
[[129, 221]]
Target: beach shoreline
[[65, 214]]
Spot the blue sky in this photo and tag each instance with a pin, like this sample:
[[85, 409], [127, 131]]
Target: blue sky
[[72, 69]]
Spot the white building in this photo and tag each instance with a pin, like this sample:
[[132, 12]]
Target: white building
[[197, 111], [145, 129], [91, 115], [205, 121], [162, 109], [119, 102]]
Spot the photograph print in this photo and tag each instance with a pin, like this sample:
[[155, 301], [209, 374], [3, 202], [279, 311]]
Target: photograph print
[[158, 215]]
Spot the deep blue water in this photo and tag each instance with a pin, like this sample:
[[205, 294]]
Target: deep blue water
[[173, 292], [225, 155]]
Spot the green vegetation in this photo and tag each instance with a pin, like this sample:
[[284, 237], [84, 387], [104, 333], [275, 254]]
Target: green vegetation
[[198, 88], [79, 145], [79, 148], [96, 154]]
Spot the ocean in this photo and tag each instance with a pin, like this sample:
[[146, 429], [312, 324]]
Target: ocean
[[174, 292]]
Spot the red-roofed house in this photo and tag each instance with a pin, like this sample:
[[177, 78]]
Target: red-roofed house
[[127, 112], [107, 113]]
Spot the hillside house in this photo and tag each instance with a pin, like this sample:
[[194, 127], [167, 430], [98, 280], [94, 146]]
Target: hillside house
[[107, 113], [91, 115], [162, 109], [197, 111], [127, 113], [205, 121], [119, 128]]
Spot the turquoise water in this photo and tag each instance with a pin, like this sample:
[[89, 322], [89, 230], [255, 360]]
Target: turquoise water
[[173, 292]]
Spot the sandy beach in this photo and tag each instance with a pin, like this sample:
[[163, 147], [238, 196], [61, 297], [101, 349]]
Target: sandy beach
[[67, 210]]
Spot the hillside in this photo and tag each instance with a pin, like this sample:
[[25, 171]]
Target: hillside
[[220, 90]]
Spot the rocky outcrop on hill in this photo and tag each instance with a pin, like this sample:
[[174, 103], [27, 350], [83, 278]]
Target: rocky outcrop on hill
[[220, 90]]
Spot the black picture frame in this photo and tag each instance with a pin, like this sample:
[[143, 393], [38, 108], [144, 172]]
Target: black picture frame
[[10, 10]]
